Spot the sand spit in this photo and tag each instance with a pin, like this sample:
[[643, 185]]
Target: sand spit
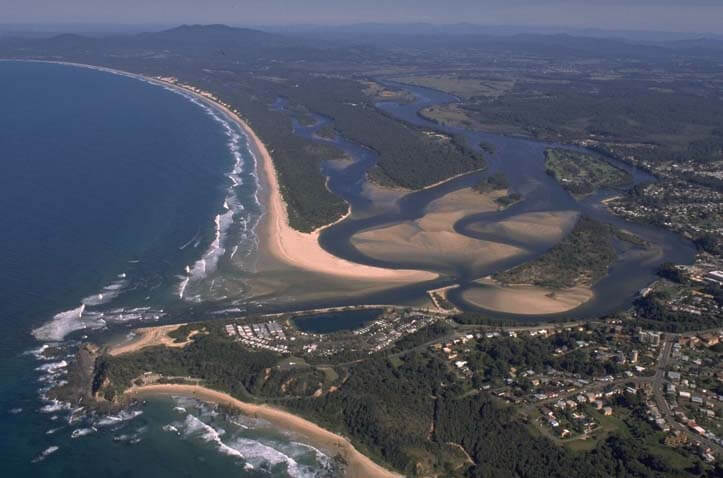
[[302, 250], [150, 337], [525, 299], [358, 465]]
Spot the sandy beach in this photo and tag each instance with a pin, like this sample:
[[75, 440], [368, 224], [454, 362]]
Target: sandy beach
[[358, 465]]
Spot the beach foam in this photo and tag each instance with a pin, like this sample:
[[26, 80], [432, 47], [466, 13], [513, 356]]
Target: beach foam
[[62, 324], [46, 453], [195, 426], [233, 215]]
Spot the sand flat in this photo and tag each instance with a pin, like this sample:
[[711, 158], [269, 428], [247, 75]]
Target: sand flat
[[548, 227], [526, 299], [358, 465], [431, 239]]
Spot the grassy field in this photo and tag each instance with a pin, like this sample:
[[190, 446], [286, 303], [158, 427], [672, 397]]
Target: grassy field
[[458, 85]]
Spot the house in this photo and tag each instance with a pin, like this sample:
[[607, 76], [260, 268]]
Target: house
[[607, 411], [709, 339], [598, 404]]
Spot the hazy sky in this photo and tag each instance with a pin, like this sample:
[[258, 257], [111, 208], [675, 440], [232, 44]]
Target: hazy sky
[[667, 15]]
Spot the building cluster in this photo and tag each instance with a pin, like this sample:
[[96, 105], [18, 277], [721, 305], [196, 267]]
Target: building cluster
[[268, 335], [579, 415], [692, 383], [278, 333], [694, 295], [681, 369], [682, 206]]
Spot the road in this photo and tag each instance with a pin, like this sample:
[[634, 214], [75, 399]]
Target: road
[[660, 400]]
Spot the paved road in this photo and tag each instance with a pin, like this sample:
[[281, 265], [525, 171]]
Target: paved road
[[660, 400]]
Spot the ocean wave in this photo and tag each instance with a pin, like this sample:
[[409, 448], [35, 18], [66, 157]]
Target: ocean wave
[[259, 454], [45, 453], [194, 426], [54, 406], [121, 417], [38, 353], [108, 293], [61, 325], [232, 209], [81, 432], [52, 367]]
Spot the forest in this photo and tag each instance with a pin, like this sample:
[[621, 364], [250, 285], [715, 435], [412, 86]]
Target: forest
[[581, 258]]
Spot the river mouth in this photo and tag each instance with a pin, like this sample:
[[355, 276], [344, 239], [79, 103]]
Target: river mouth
[[388, 227]]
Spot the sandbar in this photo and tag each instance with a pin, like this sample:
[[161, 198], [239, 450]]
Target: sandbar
[[302, 250], [526, 299]]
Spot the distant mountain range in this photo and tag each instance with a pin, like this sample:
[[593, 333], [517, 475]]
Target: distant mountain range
[[328, 43]]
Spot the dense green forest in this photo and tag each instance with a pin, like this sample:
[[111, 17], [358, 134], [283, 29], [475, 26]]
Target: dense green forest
[[409, 157], [652, 313], [581, 258], [583, 173], [493, 182]]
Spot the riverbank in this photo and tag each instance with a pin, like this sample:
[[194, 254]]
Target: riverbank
[[357, 464]]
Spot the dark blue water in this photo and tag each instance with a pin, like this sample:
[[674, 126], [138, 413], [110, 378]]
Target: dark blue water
[[336, 321], [109, 188]]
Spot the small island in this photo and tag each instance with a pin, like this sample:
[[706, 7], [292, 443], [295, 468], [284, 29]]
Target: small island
[[498, 182]]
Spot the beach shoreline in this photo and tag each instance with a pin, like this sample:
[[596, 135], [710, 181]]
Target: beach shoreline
[[357, 465], [282, 242]]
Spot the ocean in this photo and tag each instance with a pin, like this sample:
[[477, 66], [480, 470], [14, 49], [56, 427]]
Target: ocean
[[120, 202]]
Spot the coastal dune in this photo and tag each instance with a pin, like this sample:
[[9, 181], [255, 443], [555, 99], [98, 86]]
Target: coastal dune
[[357, 465]]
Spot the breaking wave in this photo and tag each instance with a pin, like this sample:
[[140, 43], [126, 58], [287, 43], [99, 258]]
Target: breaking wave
[[46, 453], [234, 216], [255, 452]]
